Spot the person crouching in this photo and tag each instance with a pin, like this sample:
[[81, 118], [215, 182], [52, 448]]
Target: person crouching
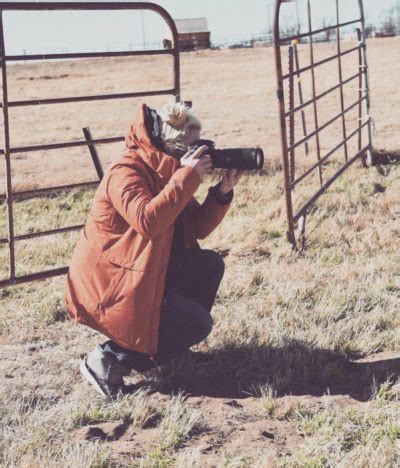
[[137, 273]]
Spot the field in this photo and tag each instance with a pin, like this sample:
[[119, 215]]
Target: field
[[302, 367]]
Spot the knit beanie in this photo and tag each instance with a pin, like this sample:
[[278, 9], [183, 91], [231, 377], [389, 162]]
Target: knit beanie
[[179, 127]]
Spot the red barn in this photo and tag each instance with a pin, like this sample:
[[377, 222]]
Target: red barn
[[193, 34]]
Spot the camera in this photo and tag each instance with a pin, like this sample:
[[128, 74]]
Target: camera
[[233, 158]]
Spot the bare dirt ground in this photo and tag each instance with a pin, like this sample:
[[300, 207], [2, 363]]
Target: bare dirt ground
[[302, 367]]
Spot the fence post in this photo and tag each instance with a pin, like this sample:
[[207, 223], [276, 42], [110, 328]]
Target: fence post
[[6, 132], [281, 97], [370, 155]]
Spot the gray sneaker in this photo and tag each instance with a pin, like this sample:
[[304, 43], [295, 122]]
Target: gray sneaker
[[104, 388]]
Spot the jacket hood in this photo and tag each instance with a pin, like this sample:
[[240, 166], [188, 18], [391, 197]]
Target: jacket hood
[[138, 140]]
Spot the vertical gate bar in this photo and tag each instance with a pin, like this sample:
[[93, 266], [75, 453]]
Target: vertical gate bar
[[177, 67], [314, 92], [93, 153], [339, 49], [364, 68], [301, 97], [360, 93], [292, 152], [6, 131], [282, 121], [177, 79]]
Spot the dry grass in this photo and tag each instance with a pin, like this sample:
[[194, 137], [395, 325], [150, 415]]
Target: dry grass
[[303, 362]]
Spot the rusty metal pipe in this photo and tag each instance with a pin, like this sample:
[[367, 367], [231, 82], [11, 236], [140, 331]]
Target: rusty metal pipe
[[324, 61], [286, 148], [327, 184], [301, 97], [27, 194], [6, 152], [93, 153], [84, 55], [282, 121], [69, 144], [338, 40], [360, 92], [34, 235], [366, 80], [325, 93], [314, 94], [327, 156], [56, 6], [34, 276], [331, 121], [95, 97], [292, 136], [285, 40]]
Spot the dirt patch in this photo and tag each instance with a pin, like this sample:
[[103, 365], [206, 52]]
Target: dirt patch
[[243, 425]]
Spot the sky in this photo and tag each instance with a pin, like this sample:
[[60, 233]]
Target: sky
[[37, 32]]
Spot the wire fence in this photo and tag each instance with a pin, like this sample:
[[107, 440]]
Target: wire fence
[[217, 42]]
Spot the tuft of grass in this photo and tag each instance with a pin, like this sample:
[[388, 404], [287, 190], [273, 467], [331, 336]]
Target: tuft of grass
[[268, 400], [137, 409], [72, 455], [157, 458], [179, 422], [336, 436], [385, 392]]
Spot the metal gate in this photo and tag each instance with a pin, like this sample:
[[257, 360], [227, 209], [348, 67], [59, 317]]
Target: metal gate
[[289, 110], [8, 150]]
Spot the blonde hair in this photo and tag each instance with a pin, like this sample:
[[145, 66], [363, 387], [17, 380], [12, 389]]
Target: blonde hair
[[179, 125]]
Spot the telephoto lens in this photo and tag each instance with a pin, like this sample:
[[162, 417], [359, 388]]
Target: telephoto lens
[[246, 159], [238, 158]]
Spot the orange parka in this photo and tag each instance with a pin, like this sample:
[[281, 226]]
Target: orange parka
[[116, 277]]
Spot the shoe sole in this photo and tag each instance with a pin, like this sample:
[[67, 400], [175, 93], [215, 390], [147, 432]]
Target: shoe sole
[[85, 371]]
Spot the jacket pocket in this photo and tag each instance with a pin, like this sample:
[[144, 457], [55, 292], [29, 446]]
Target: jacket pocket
[[111, 293]]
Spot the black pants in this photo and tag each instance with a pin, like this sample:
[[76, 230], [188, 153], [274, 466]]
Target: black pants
[[192, 283]]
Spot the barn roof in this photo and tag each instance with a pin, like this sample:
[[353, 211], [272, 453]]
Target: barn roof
[[191, 25]]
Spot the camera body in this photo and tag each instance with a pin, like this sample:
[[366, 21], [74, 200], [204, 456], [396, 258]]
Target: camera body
[[246, 159]]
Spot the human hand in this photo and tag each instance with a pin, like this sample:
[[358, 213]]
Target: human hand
[[230, 177], [198, 160]]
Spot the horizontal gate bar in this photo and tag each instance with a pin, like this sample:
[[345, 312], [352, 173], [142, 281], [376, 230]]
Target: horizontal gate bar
[[326, 60], [325, 93], [330, 122], [327, 184], [97, 97], [283, 40], [43, 6], [43, 191], [74, 55], [69, 144], [312, 168], [34, 276], [50, 232]]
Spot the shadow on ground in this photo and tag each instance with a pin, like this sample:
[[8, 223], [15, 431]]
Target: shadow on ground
[[294, 369], [383, 158]]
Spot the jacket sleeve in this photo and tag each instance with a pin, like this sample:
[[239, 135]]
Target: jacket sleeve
[[205, 217], [147, 213]]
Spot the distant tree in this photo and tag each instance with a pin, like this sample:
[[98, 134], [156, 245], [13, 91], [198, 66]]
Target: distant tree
[[389, 24], [289, 30], [369, 30], [290, 26], [329, 33]]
